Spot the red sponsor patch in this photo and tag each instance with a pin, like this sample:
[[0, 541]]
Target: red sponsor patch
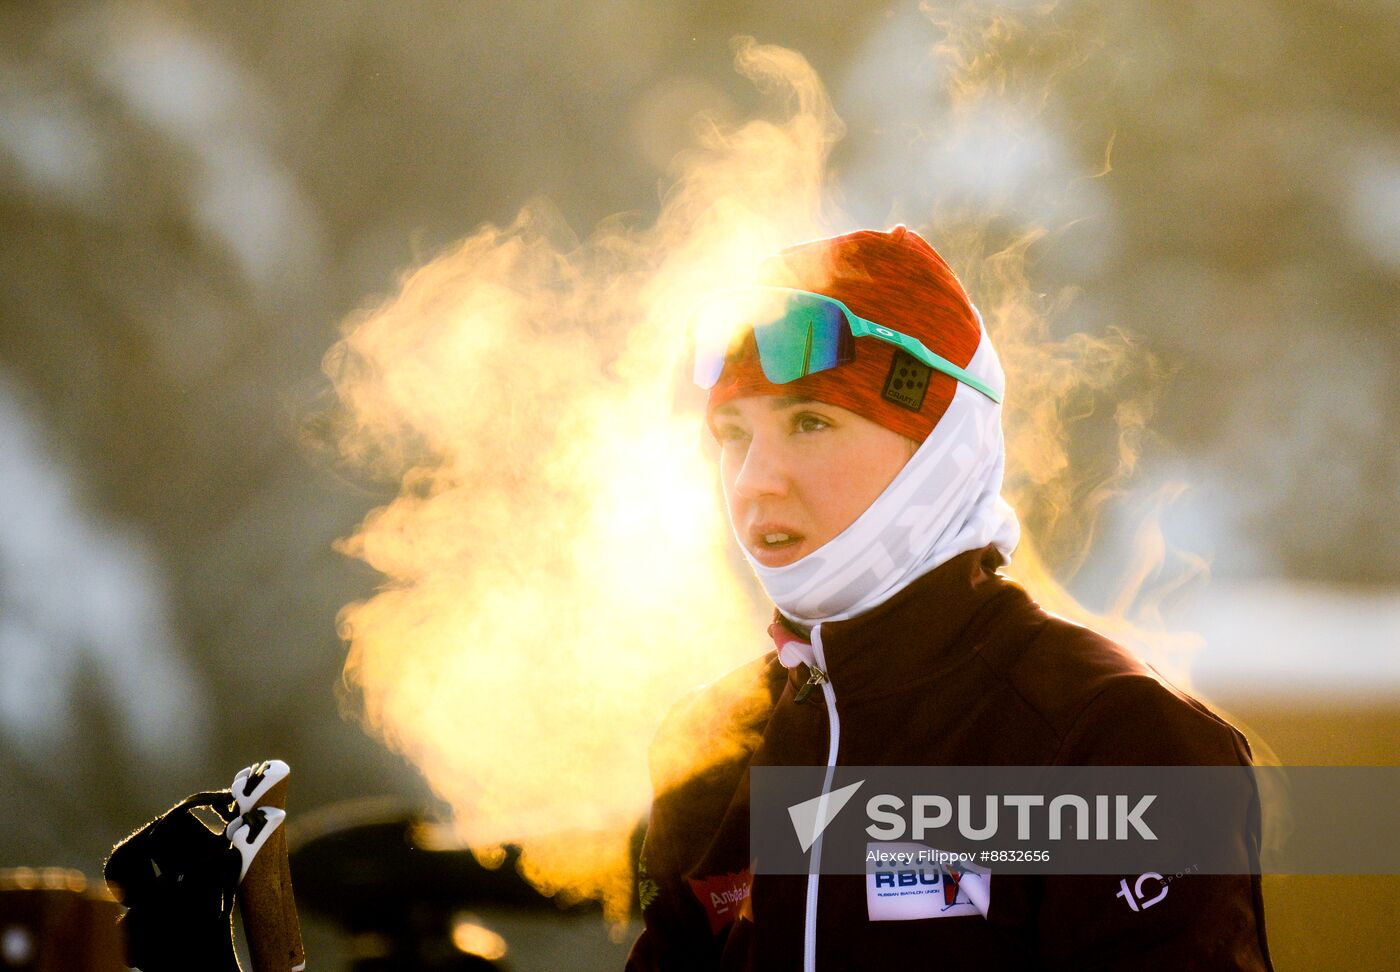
[[724, 897]]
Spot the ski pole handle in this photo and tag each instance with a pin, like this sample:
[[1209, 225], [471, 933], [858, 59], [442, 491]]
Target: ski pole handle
[[265, 898]]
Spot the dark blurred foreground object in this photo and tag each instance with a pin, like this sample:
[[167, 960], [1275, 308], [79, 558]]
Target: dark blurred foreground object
[[404, 890], [50, 921], [179, 877]]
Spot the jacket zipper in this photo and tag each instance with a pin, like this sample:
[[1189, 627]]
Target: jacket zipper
[[819, 677], [815, 677]]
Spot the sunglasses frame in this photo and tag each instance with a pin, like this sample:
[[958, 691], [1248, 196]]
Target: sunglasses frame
[[862, 327]]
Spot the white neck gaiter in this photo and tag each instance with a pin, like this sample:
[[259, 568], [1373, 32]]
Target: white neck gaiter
[[945, 501]]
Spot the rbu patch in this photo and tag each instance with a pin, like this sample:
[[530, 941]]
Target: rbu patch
[[920, 887]]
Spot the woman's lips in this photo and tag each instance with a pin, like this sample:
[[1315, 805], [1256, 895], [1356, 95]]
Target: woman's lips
[[775, 546]]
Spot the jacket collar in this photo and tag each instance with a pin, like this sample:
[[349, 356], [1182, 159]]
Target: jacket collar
[[919, 632]]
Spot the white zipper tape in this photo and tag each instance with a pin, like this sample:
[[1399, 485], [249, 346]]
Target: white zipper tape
[[809, 929]]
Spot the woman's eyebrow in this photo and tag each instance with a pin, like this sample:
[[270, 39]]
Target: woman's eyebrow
[[775, 402]]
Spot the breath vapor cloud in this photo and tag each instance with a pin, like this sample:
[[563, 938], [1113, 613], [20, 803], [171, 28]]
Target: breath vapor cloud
[[557, 572]]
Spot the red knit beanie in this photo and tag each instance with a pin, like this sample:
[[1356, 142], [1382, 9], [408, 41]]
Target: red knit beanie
[[895, 279]]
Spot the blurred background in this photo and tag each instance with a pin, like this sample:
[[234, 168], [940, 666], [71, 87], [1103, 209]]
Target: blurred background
[[194, 197]]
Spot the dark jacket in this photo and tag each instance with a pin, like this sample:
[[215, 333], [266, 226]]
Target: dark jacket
[[959, 668]]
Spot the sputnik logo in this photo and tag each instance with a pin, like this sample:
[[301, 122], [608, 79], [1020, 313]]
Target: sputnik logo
[[811, 817]]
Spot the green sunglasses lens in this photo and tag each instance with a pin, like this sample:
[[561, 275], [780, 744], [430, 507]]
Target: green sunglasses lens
[[832, 343], [797, 333], [810, 336]]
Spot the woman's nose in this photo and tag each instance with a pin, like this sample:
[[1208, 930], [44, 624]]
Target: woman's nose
[[763, 472]]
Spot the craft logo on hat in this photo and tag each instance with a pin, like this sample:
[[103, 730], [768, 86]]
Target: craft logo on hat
[[907, 381]]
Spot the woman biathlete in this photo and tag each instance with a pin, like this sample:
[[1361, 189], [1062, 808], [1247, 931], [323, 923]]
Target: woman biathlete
[[858, 417]]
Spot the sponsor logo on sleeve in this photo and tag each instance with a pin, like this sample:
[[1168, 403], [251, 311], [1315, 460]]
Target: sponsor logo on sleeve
[[724, 897]]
